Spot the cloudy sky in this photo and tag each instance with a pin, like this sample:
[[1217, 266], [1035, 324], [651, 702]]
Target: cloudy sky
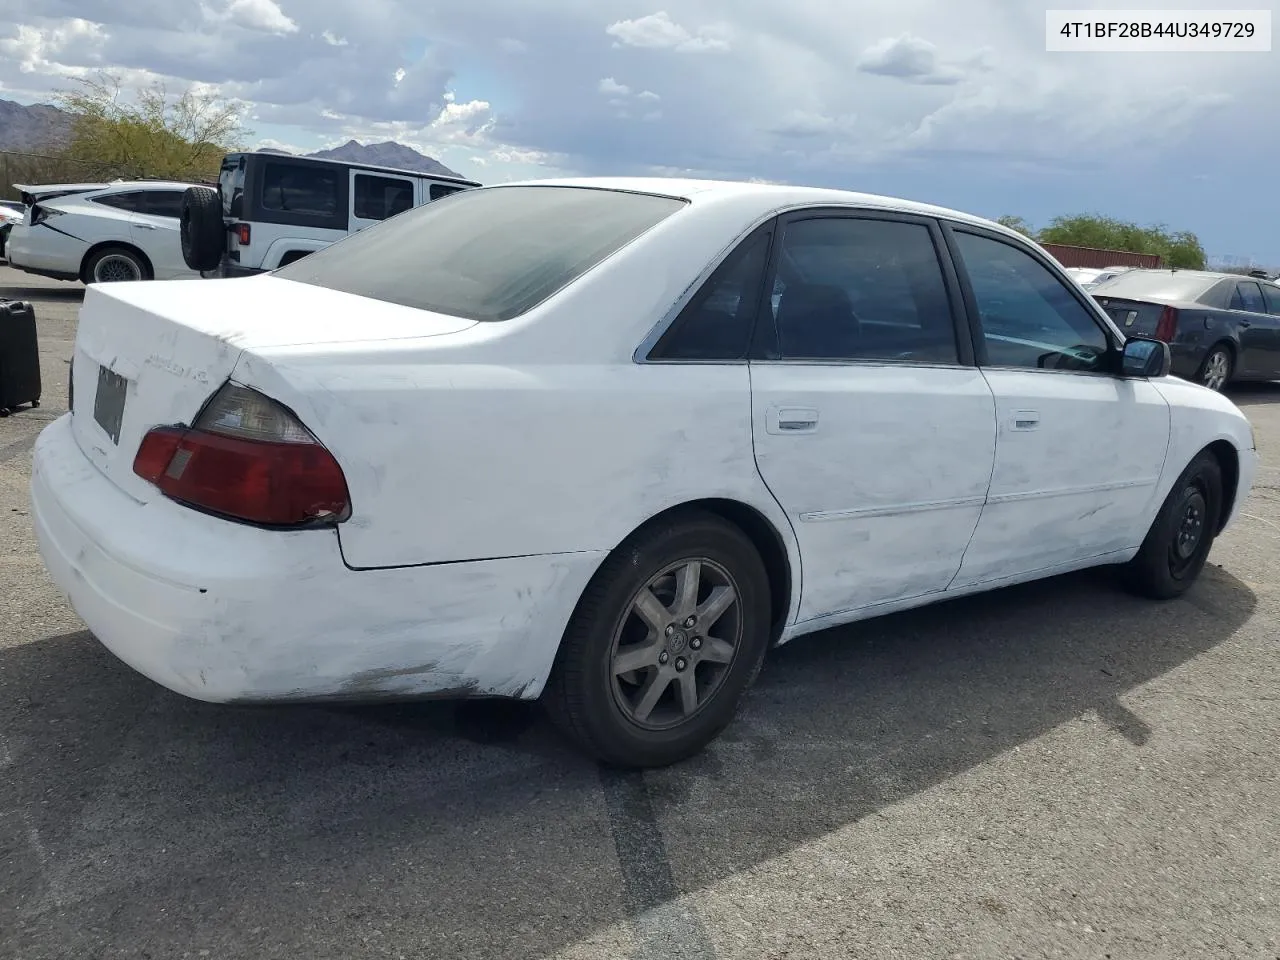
[[937, 100]]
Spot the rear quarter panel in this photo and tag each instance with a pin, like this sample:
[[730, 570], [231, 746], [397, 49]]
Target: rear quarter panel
[[537, 435]]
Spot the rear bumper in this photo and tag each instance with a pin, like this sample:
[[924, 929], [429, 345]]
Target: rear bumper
[[224, 612]]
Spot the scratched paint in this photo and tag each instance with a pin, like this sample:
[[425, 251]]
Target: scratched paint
[[540, 440]]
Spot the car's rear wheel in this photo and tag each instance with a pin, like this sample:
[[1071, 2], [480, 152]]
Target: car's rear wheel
[[115, 265], [1178, 543], [1215, 371], [201, 230], [664, 643]]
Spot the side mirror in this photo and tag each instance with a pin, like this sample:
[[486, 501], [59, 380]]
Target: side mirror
[[1145, 357]]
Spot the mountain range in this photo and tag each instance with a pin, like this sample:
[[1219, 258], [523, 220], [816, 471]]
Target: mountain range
[[31, 129]]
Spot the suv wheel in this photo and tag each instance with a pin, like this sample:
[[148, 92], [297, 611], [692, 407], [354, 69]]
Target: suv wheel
[[202, 231]]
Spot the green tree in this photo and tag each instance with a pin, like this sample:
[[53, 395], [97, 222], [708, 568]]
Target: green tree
[[1181, 249], [152, 135], [1016, 223]]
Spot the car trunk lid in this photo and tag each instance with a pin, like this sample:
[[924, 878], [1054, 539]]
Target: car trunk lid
[[1133, 317], [151, 353]]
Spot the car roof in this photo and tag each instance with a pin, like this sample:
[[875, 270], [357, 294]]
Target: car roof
[[765, 197], [372, 167], [1206, 274], [131, 185]]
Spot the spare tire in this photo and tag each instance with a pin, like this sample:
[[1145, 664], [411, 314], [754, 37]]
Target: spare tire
[[204, 235]]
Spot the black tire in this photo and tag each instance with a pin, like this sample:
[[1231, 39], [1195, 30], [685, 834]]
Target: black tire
[[203, 233], [116, 264], [1164, 568], [1219, 362], [585, 695]]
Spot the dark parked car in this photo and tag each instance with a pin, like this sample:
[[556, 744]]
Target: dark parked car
[[1220, 327]]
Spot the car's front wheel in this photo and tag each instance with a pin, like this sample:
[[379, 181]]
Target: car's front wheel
[[1178, 543], [664, 643]]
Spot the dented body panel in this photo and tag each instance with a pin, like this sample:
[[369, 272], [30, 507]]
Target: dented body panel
[[221, 611]]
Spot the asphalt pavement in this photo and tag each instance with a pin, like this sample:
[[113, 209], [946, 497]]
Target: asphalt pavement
[[1054, 770]]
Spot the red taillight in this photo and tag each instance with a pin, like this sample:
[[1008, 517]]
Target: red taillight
[[1167, 325], [248, 458], [242, 233]]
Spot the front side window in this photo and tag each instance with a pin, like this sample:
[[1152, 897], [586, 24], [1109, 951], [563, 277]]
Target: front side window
[[1029, 317], [486, 254], [377, 198], [1271, 295], [301, 190], [849, 288]]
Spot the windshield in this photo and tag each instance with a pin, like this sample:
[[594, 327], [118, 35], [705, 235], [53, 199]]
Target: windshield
[[486, 254], [1161, 284]]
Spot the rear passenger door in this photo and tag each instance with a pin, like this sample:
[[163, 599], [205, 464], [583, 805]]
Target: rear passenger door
[[872, 428], [155, 229], [376, 197], [1269, 364]]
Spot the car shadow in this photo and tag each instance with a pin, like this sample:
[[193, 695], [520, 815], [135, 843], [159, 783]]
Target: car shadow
[[144, 823], [1254, 393], [71, 292]]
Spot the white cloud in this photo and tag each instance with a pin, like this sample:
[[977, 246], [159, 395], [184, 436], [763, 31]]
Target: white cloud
[[263, 15], [921, 97], [908, 58], [658, 31]]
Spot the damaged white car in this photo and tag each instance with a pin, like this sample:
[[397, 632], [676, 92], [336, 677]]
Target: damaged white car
[[604, 442]]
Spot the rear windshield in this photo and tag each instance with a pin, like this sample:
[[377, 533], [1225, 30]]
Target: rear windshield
[[1162, 284], [486, 254]]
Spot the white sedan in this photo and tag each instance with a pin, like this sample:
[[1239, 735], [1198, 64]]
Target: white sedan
[[603, 442], [100, 233]]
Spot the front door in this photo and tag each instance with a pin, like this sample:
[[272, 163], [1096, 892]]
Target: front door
[[1079, 450], [1259, 329], [378, 196], [871, 430]]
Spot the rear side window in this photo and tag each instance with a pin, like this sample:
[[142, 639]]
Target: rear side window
[[439, 190], [122, 201], [1248, 296], [849, 288], [377, 198], [163, 203], [486, 254], [717, 323], [310, 191]]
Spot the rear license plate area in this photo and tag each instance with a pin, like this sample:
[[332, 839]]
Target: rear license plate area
[[108, 402]]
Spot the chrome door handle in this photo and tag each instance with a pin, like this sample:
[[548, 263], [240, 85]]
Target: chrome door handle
[[146, 226], [792, 420], [1026, 420]]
